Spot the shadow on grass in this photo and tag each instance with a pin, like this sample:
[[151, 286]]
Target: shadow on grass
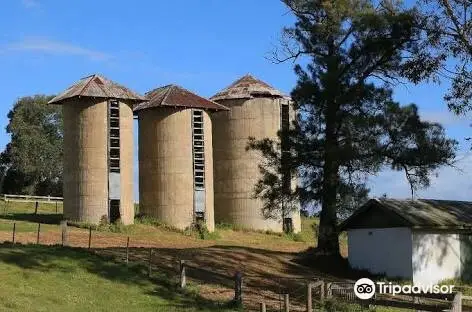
[[266, 273], [31, 217], [64, 259], [334, 266]]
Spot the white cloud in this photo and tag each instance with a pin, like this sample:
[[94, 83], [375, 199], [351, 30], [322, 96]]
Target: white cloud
[[450, 183], [48, 46], [444, 117], [29, 4]]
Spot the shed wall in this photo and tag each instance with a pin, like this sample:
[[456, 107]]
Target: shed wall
[[236, 170], [85, 160], [466, 257], [381, 251], [166, 166], [436, 257]]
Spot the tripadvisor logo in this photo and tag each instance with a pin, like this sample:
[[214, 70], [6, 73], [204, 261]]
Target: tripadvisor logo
[[365, 288]]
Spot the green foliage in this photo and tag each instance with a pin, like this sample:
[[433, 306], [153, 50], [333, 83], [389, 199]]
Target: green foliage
[[449, 34], [348, 127], [203, 232], [32, 161], [296, 237]]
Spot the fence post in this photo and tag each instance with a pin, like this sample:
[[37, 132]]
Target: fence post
[[14, 230], [127, 250], [457, 303], [263, 307], [150, 261], [56, 206], [238, 287], [36, 208], [90, 238], [37, 236], [286, 303], [65, 240], [183, 278], [328, 290], [308, 297], [322, 290]]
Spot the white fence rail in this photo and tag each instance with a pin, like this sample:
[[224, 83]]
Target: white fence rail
[[31, 198]]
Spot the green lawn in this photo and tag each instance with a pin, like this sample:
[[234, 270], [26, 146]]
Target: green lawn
[[38, 278]]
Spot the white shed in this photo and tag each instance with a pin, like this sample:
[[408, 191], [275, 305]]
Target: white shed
[[423, 240]]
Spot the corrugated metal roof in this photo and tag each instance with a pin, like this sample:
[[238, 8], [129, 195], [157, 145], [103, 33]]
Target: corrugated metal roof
[[247, 87], [97, 86], [176, 96], [420, 213]]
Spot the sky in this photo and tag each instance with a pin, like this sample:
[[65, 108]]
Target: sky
[[202, 45]]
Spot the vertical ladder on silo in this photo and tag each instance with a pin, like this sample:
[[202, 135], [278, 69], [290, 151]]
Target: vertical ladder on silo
[[114, 179], [198, 150]]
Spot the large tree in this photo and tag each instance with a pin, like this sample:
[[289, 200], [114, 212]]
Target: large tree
[[32, 162], [348, 126], [448, 28]]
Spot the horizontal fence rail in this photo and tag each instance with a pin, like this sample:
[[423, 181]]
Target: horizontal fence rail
[[31, 198]]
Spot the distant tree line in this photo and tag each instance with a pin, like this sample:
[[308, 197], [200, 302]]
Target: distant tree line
[[31, 163]]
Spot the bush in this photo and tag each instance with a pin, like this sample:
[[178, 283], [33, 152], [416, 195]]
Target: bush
[[203, 233], [296, 237]]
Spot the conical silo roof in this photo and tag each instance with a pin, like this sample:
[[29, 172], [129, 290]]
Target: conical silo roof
[[176, 96], [98, 87], [247, 87]]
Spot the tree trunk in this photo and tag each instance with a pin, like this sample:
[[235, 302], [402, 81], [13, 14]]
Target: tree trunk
[[328, 240]]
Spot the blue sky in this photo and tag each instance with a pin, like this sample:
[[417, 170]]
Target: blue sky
[[203, 45]]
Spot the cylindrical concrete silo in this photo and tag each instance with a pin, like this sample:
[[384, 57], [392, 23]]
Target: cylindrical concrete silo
[[256, 110], [176, 157], [98, 151]]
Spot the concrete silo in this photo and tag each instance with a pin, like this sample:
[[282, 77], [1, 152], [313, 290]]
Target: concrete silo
[[98, 150], [176, 157], [256, 110]]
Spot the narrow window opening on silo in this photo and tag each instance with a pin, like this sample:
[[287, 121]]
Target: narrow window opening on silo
[[114, 164], [114, 152], [114, 112], [114, 210], [115, 133], [198, 150], [114, 142], [285, 127], [114, 122], [114, 179], [288, 225]]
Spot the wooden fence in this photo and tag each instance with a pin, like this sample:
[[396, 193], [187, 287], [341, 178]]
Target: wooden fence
[[316, 291], [344, 293]]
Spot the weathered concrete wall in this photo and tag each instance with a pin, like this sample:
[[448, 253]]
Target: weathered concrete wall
[[209, 188], [236, 170], [85, 160], [166, 166], [126, 163]]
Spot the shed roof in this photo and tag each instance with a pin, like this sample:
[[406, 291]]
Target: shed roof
[[247, 87], [99, 87], [173, 95], [420, 213]]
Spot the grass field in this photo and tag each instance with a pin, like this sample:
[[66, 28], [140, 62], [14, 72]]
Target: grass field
[[41, 278], [38, 278]]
